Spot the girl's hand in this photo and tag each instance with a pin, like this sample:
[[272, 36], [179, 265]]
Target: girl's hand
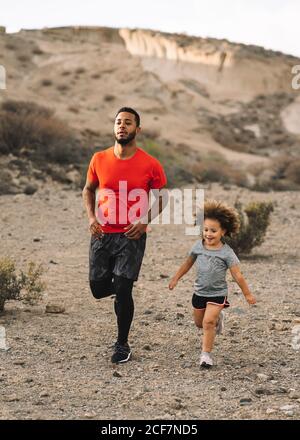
[[173, 283], [250, 299]]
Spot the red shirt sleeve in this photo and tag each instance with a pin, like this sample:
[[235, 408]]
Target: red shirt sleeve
[[92, 174], [159, 178]]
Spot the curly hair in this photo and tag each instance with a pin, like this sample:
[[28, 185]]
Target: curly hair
[[227, 216]]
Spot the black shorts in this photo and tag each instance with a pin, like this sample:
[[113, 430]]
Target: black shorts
[[115, 254], [199, 302]]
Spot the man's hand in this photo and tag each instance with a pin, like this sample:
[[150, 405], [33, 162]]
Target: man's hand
[[95, 227], [173, 283], [134, 232], [250, 299]]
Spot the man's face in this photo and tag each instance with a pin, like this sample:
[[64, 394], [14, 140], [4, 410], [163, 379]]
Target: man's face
[[125, 129]]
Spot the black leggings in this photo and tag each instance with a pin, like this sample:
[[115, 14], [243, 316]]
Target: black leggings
[[124, 306]]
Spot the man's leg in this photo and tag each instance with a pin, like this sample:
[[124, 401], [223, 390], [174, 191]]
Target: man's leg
[[129, 256], [124, 307], [102, 288]]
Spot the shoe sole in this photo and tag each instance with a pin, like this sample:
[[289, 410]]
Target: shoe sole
[[205, 365], [124, 360]]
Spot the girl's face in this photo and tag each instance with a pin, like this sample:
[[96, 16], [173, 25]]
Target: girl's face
[[212, 232]]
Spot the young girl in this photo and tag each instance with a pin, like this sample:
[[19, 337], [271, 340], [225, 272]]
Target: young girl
[[213, 257]]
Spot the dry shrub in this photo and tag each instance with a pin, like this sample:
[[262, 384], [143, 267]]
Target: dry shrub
[[46, 82], [31, 130], [208, 170], [254, 221], [26, 287], [293, 171]]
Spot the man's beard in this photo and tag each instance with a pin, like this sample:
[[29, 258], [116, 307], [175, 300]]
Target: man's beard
[[125, 141]]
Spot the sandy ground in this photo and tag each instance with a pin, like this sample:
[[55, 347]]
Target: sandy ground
[[58, 366]]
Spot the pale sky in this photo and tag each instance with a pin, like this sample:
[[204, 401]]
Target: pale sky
[[273, 24]]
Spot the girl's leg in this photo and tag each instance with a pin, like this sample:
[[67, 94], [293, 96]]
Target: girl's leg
[[198, 317], [210, 320]]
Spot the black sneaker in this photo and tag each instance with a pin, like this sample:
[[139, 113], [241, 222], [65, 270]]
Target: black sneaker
[[121, 354]]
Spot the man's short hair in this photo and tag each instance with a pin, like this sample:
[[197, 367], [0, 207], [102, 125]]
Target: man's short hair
[[131, 110]]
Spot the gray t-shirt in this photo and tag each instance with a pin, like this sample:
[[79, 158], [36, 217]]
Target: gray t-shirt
[[211, 266]]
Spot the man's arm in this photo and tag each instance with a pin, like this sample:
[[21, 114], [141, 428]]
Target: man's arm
[[89, 197], [134, 232]]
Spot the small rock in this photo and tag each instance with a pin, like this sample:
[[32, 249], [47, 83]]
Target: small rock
[[19, 362], [245, 401], [287, 407], [147, 312], [52, 262], [30, 189], [261, 391], [281, 327], [147, 347], [44, 394], [177, 405], [160, 317], [28, 380], [162, 275], [294, 395], [36, 239], [262, 377], [179, 315], [89, 415], [223, 388], [281, 390], [54, 308], [187, 365], [117, 374], [13, 398], [271, 411]]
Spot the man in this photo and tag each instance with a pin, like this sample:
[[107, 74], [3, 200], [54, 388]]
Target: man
[[123, 174]]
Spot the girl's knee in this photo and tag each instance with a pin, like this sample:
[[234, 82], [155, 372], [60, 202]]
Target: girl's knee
[[209, 323]]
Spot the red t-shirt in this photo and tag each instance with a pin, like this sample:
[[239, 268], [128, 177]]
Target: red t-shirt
[[124, 186]]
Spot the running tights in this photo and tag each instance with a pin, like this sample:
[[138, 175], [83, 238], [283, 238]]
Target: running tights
[[124, 306]]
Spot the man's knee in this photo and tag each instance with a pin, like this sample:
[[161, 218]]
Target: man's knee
[[122, 286], [101, 289]]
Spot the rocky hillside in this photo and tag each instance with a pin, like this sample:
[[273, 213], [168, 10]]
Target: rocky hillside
[[213, 97]]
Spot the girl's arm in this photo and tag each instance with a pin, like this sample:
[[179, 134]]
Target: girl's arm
[[237, 275], [184, 268]]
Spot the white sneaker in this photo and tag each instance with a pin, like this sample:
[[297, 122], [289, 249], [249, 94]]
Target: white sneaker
[[220, 324], [206, 360]]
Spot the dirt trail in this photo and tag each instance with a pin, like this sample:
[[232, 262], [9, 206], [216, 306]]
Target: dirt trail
[[59, 366]]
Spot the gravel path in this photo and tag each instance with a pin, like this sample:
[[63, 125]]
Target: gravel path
[[58, 366]]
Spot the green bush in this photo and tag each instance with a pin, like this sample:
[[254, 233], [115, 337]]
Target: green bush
[[25, 287], [254, 221]]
